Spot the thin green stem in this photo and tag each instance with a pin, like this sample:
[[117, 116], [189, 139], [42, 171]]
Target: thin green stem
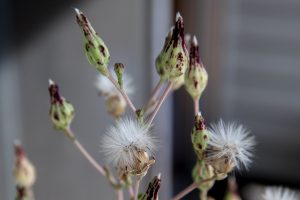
[[122, 91]]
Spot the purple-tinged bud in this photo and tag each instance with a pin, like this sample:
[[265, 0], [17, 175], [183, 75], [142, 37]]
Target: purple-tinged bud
[[61, 112], [95, 49], [24, 172], [174, 57], [195, 76]]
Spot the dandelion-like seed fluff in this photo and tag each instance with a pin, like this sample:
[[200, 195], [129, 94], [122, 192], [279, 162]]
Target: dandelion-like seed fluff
[[129, 146], [279, 193], [115, 102], [230, 145]]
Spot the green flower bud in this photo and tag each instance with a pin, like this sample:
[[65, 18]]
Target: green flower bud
[[173, 60], [24, 172], [119, 70], [195, 76], [160, 62], [61, 112], [199, 137], [95, 49]]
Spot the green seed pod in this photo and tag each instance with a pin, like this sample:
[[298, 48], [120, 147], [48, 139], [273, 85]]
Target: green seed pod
[[61, 112], [173, 60], [119, 70], [199, 137], [95, 49], [195, 76]]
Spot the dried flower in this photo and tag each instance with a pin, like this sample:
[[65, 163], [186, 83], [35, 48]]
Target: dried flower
[[24, 172], [95, 49], [114, 101], [279, 193], [129, 146], [195, 76], [229, 145], [61, 112], [173, 60]]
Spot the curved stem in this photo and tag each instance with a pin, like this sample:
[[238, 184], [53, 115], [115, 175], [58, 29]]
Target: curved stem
[[191, 187], [123, 93], [160, 101]]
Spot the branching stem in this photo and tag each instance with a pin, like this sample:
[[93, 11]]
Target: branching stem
[[191, 187], [160, 101]]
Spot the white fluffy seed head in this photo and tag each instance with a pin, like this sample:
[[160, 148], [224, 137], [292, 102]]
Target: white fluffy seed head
[[122, 142], [231, 143], [106, 88], [279, 193]]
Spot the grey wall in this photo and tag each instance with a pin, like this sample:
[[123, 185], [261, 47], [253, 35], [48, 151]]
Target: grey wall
[[56, 53]]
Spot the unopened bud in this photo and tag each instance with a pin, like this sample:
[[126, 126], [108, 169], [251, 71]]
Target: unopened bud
[[119, 70], [174, 57], [95, 49], [199, 137], [24, 172], [160, 62], [61, 112], [195, 76]]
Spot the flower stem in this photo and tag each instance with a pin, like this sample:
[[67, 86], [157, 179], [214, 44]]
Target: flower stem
[[131, 192], [191, 187], [203, 195], [160, 101], [137, 187], [196, 106], [153, 96], [120, 195], [91, 160], [103, 171], [121, 90]]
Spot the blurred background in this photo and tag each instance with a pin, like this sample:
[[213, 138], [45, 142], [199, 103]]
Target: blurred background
[[250, 50]]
